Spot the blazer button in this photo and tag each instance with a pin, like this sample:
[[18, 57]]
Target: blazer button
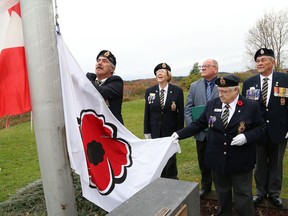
[[225, 153], [267, 121], [225, 143]]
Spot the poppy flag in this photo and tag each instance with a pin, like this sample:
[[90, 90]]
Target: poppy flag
[[113, 163]]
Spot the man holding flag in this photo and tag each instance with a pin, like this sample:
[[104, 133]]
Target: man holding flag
[[109, 85]]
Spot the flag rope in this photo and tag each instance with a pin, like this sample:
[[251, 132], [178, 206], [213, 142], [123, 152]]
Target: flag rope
[[57, 26]]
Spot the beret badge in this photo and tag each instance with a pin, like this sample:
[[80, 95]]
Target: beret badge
[[106, 54], [222, 81], [262, 51]]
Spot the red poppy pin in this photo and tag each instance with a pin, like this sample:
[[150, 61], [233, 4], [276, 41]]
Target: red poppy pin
[[107, 156], [240, 103]]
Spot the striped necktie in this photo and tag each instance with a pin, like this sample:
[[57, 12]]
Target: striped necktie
[[99, 82], [264, 90], [162, 98], [208, 91], [225, 115]]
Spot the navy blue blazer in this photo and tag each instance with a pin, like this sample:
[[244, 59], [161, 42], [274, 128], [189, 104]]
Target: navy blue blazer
[[276, 114], [162, 123], [220, 156]]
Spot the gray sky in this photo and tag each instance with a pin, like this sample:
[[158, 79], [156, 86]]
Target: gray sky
[[142, 34]]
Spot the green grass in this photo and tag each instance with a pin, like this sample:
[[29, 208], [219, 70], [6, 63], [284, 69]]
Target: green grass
[[19, 160]]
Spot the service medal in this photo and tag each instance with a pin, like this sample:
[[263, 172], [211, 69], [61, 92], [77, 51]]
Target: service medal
[[276, 91], [211, 120], [282, 92], [151, 98]]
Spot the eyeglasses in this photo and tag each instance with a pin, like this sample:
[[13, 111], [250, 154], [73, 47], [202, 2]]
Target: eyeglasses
[[206, 66]]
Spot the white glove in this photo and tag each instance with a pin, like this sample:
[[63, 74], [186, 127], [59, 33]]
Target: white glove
[[147, 136], [174, 136], [286, 135], [239, 140]]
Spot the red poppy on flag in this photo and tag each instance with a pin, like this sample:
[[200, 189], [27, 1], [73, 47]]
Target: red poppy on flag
[[107, 156]]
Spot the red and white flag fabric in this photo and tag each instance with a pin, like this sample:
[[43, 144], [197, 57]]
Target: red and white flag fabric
[[113, 164], [14, 88]]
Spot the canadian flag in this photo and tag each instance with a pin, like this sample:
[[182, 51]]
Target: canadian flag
[[14, 88]]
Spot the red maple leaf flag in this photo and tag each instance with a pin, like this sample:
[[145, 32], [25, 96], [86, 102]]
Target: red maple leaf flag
[[14, 88], [113, 164]]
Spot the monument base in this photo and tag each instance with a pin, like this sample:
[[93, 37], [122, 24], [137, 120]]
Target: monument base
[[162, 197]]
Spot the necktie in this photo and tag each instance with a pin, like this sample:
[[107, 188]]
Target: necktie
[[98, 82], [162, 98], [208, 91], [225, 116], [264, 90]]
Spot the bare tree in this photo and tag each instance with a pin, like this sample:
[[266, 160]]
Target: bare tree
[[271, 31]]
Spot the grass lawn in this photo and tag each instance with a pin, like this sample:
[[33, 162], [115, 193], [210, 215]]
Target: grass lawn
[[19, 160]]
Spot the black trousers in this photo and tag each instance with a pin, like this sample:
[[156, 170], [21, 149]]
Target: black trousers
[[269, 168], [237, 188], [170, 169], [206, 177]]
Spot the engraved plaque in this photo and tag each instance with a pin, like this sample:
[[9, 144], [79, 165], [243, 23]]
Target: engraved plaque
[[162, 212]]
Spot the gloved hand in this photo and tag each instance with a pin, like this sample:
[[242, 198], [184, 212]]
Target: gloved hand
[[174, 136], [147, 136], [239, 140], [286, 135]]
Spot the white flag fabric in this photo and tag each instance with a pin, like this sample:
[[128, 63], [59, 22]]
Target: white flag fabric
[[113, 164]]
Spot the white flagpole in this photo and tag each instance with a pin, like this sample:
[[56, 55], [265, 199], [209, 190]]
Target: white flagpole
[[48, 116]]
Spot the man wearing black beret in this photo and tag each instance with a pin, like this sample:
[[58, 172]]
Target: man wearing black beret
[[234, 127], [109, 85], [269, 89]]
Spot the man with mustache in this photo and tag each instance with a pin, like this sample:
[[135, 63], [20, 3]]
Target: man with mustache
[[109, 85]]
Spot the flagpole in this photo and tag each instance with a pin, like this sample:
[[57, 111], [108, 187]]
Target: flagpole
[[47, 106]]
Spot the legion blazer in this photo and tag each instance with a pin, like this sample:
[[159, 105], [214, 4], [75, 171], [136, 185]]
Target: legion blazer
[[276, 113], [197, 97], [162, 123], [220, 156], [112, 92]]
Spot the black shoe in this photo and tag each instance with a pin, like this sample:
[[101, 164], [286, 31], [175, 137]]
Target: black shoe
[[276, 201], [257, 200], [204, 192]]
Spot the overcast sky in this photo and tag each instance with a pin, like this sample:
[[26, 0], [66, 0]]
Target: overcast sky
[[142, 34]]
